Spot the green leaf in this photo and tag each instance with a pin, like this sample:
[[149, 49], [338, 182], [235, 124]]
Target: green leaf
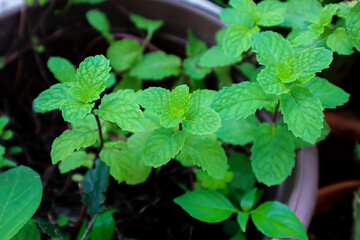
[[161, 146], [211, 183], [201, 98], [271, 48], [248, 201], [4, 121], [205, 152], [244, 178], [339, 42], [128, 82], [53, 98], [125, 165], [103, 226], [231, 16], [145, 23], [156, 66], [123, 111], [111, 81], [310, 61], [195, 46], [202, 121], [179, 102], [20, 197], [206, 205], [353, 26], [344, 8], [216, 57], [299, 12], [242, 219], [49, 229], [155, 99], [330, 95], [238, 132], [237, 39], [246, 7], [275, 219], [92, 75], [99, 21], [63, 69], [124, 53], [241, 100], [193, 70], [72, 140], [302, 113], [29, 231], [273, 154], [327, 14], [94, 185], [74, 110], [76, 160], [270, 13], [271, 83]]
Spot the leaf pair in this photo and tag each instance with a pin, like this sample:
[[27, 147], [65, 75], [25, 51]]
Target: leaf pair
[[243, 20], [273, 219], [75, 99]]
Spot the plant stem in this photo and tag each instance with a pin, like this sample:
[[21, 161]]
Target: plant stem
[[151, 46], [100, 135], [88, 227], [276, 113]]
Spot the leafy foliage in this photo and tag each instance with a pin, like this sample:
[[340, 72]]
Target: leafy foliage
[[20, 196]]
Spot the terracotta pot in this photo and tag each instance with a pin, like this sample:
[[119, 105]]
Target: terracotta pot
[[300, 189]]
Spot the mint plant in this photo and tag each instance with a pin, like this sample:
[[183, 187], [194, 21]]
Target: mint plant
[[118, 129]]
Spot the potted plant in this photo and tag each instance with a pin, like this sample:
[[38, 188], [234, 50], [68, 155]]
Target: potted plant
[[125, 132]]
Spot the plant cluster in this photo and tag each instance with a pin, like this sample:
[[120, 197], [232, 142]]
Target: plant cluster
[[119, 129]]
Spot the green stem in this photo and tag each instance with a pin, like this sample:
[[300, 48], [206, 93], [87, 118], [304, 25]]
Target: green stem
[[88, 227]]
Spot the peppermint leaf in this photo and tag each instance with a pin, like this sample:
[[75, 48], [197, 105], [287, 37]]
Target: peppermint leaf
[[273, 154], [193, 70], [128, 82], [155, 99], [179, 101], [247, 7], [201, 98], [299, 12], [327, 14], [161, 146], [353, 26], [271, 48], [244, 178], [241, 100], [74, 161], [124, 165], [310, 61], [99, 21], [195, 46], [206, 205], [238, 132], [302, 113], [231, 16], [124, 53], [211, 183], [71, 140], [123, 111], [29, 231], [270, 13], [74, 110], [205, 152], [339, 42], [237, 39], [63, 69], [216, 57], [271, 83], [275, 219], [330, 95], [94, 185], [202, 121], [156, 66], [53, 98], [145, 23], [92, 75]]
